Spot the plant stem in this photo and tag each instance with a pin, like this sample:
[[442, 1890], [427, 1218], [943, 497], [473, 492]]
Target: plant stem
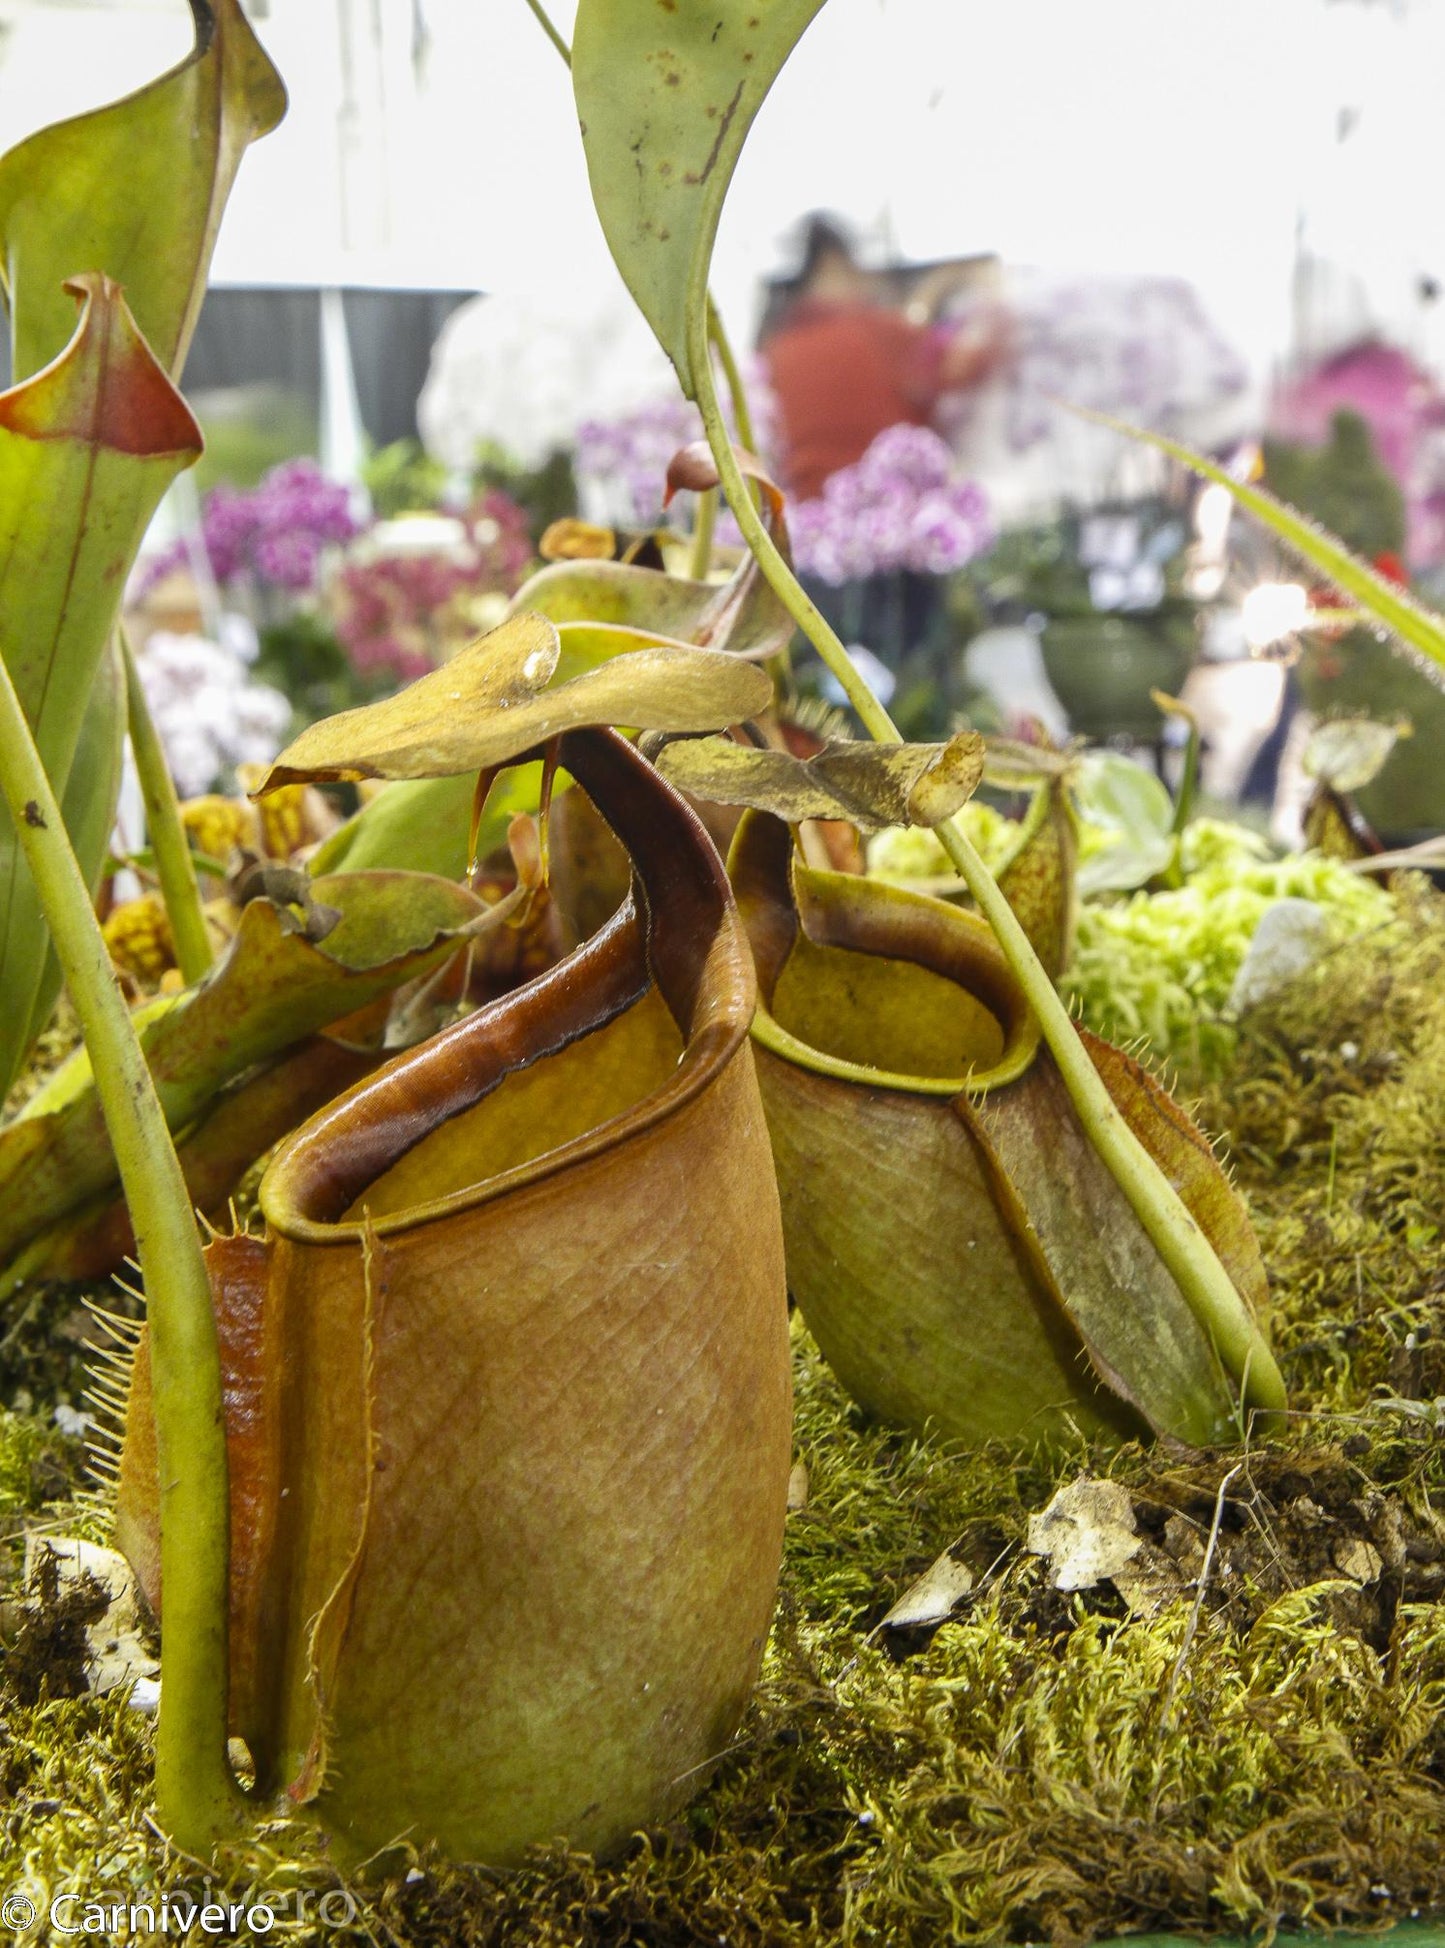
[[737, 391], [1186, 1252], [544, 21], [169, 845], [706, 520], [198, 1798], [780, 667], [1189, 780], [1189, 776], [776, 572]]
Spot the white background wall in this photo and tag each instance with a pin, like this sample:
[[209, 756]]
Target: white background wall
[[1183, 135]]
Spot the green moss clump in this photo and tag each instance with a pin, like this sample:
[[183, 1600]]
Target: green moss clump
[[1024, 1774], [38, 1464], [1333, 1115], [1158, 968]]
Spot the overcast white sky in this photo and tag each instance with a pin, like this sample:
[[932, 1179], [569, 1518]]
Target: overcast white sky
[[1181, 135]]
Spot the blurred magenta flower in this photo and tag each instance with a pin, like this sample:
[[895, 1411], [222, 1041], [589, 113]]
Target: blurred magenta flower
[[902, 506], [279, 530], [275, 534]]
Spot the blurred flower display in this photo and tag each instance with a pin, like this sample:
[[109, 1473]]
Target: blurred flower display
[[420, 586], [275, 534], [209, 712], [903, 506], [344, 609], [1124, 557], [1142, 348]]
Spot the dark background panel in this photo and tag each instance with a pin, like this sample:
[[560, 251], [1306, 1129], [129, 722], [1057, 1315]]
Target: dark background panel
[[270, 336]]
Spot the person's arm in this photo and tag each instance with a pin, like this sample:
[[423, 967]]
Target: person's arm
[[972, 351]]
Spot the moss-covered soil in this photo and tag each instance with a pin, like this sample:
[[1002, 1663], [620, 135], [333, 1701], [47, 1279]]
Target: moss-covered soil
[[1267, 1748]]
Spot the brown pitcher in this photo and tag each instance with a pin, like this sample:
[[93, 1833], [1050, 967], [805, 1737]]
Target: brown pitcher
[[508, 1397]]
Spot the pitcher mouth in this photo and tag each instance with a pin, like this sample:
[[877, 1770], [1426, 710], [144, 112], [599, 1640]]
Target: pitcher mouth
[[676, 939], [791, 910]]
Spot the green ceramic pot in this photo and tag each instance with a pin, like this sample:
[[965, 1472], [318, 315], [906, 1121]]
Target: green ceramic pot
[[1103, 667]]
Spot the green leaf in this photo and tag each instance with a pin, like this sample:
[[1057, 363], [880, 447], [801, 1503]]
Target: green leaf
[[1348, 753], [494, 701], [136, 190], [1142, 1338], [1009, 765], [87, 448], [1134, 816], [666, 92], [272, 988], [1417, 627], [871, 785], [421, 824], [1040, 876]]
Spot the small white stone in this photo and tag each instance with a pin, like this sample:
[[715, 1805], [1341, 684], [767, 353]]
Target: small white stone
[[1291, 936], [145, 1695]]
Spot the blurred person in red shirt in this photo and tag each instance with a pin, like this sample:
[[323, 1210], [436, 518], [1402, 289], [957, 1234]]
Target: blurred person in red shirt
[[845, 363]]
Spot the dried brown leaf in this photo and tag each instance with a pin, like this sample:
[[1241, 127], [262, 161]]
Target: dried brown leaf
[[872, 785]]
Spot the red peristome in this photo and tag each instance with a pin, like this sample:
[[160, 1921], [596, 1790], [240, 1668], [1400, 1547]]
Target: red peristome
[[106, 388]]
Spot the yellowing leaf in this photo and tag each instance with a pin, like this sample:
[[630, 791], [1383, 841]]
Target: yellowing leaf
[[572, 540], [1011, 765], [492, 703], [271, 989], [1347, 753], [741, 615]]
